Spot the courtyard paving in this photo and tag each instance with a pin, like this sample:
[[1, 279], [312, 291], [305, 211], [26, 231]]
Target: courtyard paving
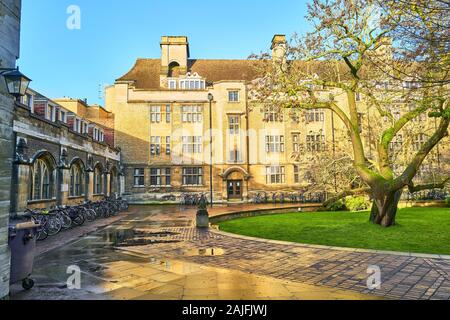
[[155, 252]]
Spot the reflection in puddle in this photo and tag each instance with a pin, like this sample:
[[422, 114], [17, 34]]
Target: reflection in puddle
[[205, 252], [136, 237], [157, 224]]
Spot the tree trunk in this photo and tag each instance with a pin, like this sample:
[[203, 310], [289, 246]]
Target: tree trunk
[[384, 209]]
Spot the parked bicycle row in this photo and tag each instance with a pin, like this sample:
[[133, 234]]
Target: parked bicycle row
[[188, 199], [289, 197], [427, 195], [263, 197], [61, 218]]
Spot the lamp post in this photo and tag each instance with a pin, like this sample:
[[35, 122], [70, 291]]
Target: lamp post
[[210, 99], [16, 82]]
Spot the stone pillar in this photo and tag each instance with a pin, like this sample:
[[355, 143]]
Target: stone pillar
[[10, 12], [63, 185], [20, 188], [121, 185], [89, 185], [107, 184]]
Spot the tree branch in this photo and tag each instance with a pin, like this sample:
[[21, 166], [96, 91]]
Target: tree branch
[[438, 185], [407, 176]]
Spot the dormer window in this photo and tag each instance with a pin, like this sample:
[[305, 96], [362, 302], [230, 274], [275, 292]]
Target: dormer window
[[77, 125], [192, 82], [172, 84], [85, 128], [27, 100], [50, 113], [62, 116]]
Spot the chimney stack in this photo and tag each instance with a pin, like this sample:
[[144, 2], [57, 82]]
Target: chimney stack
[[174, 52], [279, 47]]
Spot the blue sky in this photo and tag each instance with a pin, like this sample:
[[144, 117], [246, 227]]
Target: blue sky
[[113, 34]]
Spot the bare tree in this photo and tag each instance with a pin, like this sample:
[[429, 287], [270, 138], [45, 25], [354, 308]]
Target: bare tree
[[394, 54]]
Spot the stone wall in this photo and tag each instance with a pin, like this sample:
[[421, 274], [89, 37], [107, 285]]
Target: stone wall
[[9, 52], [64, 147]]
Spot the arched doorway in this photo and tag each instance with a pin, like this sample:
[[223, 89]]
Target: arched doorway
[[235, 183]]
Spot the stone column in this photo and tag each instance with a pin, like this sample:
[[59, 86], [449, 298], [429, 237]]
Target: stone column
[[121, 185], [63, 185], [20, 188], [107, 184], [10, 12], [89, 185], [6, 152]]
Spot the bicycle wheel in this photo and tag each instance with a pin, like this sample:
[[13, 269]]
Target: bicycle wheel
[[77, 218], [53, 226], [42, 221], [89, 214], [42, 235], [66, 221], [98, 212]]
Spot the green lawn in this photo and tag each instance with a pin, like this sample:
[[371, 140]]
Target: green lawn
[[420, 230]]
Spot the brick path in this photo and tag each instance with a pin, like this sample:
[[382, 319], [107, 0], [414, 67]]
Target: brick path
[[171, 235], [403, 276]]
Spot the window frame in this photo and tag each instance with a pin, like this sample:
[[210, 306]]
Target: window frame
[[234, 96], [155, 146], [98, 181], [138, 173], [196, 173], [275, 175], [155, 114], [76, 187], [161, 174], [275, 143], [192, 114], [192, 144], [172, 84]]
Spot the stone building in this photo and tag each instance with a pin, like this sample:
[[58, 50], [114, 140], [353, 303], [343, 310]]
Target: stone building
[[162, 124], [171, 141], [9, 52], [62, 154]]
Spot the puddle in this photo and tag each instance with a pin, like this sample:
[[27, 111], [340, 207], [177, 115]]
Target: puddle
[[136, 237], [159, 224], [208, 252], [143, 242]]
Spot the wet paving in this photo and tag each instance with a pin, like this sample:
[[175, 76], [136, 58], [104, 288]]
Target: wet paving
[[155, 253]]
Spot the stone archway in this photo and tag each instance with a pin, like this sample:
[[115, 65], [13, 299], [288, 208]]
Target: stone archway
[[235, 184]]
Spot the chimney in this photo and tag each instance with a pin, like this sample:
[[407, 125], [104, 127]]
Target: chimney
[[279, 47], [174, 53]]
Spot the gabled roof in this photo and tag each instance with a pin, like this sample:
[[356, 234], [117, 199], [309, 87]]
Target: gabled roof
[[146, 72]]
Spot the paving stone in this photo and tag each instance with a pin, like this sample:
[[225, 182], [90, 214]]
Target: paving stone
[[248, 268]]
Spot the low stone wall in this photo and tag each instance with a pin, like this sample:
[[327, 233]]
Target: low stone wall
[[265, 212], [422, 204]]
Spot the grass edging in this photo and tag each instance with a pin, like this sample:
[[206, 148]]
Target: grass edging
[[420, 231]]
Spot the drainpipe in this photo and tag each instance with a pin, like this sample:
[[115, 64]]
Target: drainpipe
[[210, 99], [247, 141]]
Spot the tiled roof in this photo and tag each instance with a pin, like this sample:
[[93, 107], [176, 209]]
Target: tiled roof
[[146, 72]]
